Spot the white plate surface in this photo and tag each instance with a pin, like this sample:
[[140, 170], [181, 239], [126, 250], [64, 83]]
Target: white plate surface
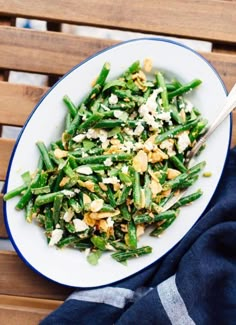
[[68, 266]]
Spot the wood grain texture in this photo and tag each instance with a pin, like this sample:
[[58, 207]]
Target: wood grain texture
[[3, 232], [17, 279], [17, 102], [24, 310], [205, 19], [44, 52], [6, 146]]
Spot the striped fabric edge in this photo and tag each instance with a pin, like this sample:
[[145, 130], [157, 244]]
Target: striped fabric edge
[[173, 303], [116, 297]]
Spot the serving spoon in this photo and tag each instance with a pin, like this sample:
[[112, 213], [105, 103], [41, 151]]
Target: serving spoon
[[229, 105]]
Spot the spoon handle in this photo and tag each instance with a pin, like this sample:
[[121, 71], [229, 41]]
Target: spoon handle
[[229, 105]]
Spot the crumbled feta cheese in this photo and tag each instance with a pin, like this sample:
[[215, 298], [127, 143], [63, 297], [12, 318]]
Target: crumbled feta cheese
[[68, 215], [165, 116], [188, 107], [78, 138], [139, 129], [97, 134], [85, 170], [127, 146], [113, 99], [125, 169], [105, 144], [68, 193], [79, 225], [168, 145], [111, 180], [121, 115], [110, 222], [108, 162], [55, 237], [183, 141]]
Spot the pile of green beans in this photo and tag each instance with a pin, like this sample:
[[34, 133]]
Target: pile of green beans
[[119, 160]]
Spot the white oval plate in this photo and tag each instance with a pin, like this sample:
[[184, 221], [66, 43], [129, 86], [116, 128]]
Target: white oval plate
[[68, 266]]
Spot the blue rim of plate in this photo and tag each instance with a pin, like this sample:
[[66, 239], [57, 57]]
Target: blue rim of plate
[[158, 39]]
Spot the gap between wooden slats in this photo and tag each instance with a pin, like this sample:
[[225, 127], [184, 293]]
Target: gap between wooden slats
[[18, 279], [24, 310], [210, 20], [56, 53]]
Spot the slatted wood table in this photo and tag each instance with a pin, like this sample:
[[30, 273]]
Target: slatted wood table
[[26, 297]]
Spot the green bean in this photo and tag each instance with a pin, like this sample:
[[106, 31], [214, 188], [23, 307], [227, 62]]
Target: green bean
[[44, 153], [137, 190], [174, 131], [98, 84], [102, 158], [41, 190], [131, 239], [188, 199], [89, 123], [178, 164], [15, 192], [160, 229], [70, 105], [26, 197], [185, 88], [164, 96], [123, 195], [46, 198], [125, 255], [57, 204]]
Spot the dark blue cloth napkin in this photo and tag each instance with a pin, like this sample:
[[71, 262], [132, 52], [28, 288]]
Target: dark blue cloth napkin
[[195, 283]]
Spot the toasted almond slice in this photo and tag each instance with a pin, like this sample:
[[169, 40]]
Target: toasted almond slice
[[147, 64], [172, 173], [103, 186], [140, 230], [88, 220], [103, 215], [89, 185], [64, 181], [155, 187], [96, 205], [86, 199], [140, 161], [58, 153]]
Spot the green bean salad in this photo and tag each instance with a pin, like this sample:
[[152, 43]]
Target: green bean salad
[[121, 157]]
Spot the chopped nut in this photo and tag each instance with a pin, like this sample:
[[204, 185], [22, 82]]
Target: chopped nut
[[172, 173], [89, 185], [103, 215], [103, 186], [86, 199], [58, 153], [155, 187], [96, 205], [140, 230], [88, 220], [147, 64], [64, 181], [157, 156], [140, 161]]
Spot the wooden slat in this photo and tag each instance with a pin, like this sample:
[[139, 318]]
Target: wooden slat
[[19, 280], [24, 310], [6, 146], [44, 52], [17, 101], [3, 232], [52, 58], [205, 19]]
